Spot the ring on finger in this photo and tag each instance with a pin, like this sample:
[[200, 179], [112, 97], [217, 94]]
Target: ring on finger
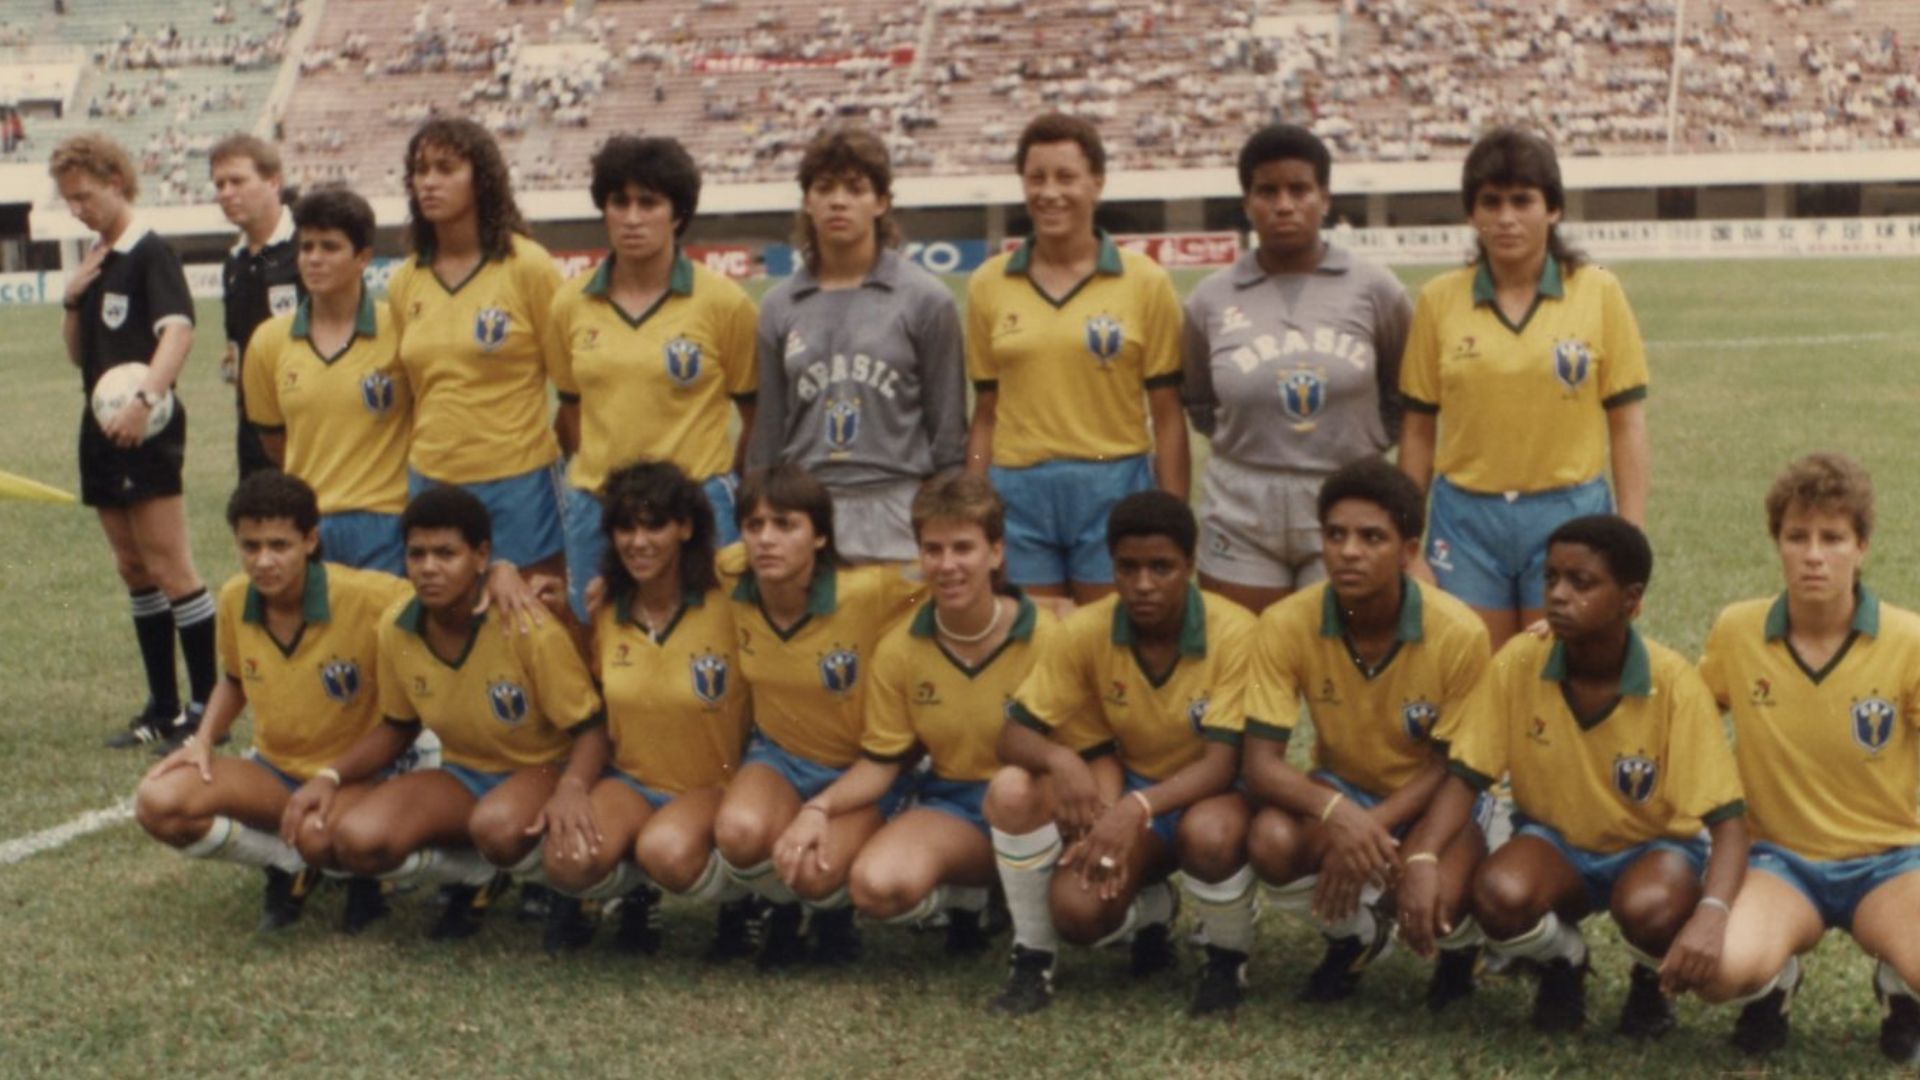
[[1107, 862]]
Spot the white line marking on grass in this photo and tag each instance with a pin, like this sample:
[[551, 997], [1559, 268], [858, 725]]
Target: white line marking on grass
[[26, 847], [1786, 341]]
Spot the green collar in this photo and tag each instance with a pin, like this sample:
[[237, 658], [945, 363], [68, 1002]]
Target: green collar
[[679, 281], [1550, 285], [822, 592], [1193, 625], [1866, 614], [413, 619], [1107, 262], [1333, 622], [365, 323], [623, 605], [313, 599], [1636, 677], [1025, 615]]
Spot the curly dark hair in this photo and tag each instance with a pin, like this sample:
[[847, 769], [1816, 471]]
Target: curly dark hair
[[653, 494], [492, 189]]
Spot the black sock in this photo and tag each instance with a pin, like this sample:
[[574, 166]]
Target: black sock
[[193, 616], [153, 628]]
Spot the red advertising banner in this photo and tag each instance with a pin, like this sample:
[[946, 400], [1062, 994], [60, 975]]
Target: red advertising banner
[[734, 260], [1198, 249]]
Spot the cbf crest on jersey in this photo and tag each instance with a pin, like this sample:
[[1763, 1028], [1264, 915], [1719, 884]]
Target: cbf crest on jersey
[[839, 670], [508, 701], [709, 677], [683, 360], [113, 310], [1197, 713], [1873, 719], [490, 327], [1418, 717], [1572, 362], [1634, 776], [341, 680], [282, 299], [843, 422], [376, 392], [1105, 336], [1303, 393]]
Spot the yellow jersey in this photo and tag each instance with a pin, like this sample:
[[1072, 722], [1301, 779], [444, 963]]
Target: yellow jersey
[[676, 708]]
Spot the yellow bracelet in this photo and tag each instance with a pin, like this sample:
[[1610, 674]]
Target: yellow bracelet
[[1331, 803], [1146, 805], [329, 773], [1422, 856]]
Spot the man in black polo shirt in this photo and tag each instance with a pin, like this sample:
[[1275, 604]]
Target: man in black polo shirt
[[128, 302], [260, 278]]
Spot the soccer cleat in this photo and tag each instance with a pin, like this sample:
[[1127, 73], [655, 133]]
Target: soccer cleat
[[966, 932], [366, 904], [1560, 1002], [1647, 1014], [535, 900], [737, 929], [1764, 1024], [150, 728], [286, 896], [466, 906], [1900, 1031], [1223, 983], [184, 727], [1152, 950], [1452, 977], [639, 930], [1029, 984], [567, 926], [836, 939], [1346, 959], [781, 945]]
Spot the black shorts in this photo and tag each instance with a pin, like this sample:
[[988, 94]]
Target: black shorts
[[113, 476]]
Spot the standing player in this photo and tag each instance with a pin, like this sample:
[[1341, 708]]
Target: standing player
[[862, 371], [941, 681], [807, 629], [127, 302], [648, 335], [1617, 759], [1524, 379], [1378, 661], [1292, 366], [325, 387], [471, 309], [260, 279], [1072, 343], [1155, 676], [1823, 682], [297, 640], [505, 705]]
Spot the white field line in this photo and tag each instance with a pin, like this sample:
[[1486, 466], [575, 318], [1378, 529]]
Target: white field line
[[26, 847], [1783, 341]]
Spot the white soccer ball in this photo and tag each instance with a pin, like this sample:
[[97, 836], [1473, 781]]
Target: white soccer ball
[[115, 391]]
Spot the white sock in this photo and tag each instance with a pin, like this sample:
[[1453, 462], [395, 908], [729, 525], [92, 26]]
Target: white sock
[[833, 901], [761, 880], [1295, 897], [929, 905], [443, 866], [231, 841], [1225, 909], [715, 885], [1152, 904], [1788, 975], [1464, 936], [532, 867], [1890, 983], [1641, 956], [964, 897], [1550, 939], [624, 878], [1026, 862], [1361, 923]]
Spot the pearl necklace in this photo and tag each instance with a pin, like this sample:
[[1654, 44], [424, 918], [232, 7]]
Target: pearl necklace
[[992, 625]]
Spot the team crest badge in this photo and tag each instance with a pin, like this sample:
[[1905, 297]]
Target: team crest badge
[[1105, 337], [683, 360], [508, 702], [1873, 722], [490, 328], [1571, 363], [709, 677], [341, 680], [113, 310], [839, 670], [1303, 393], [282, 299], [1197, 712], [843, 422], [1634, 777], [376, 392], [1418, 717]]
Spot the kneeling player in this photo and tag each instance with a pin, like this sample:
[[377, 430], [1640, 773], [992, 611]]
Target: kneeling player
[[1155, 676], [1823, 682], [1617, 758], [1378, 661], [504, 703], [297, 639]]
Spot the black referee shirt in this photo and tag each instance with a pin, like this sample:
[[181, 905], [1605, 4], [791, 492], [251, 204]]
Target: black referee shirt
[[140, 290], [259, 286]]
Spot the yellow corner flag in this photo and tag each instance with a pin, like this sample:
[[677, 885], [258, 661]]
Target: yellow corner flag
[[19, 487]]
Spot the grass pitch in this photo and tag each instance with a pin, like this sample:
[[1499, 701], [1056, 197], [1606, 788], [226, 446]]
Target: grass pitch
[[124, 958]]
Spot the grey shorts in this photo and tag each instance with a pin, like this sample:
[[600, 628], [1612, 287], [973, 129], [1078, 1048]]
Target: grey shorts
[[874, 522], [1260, 527]]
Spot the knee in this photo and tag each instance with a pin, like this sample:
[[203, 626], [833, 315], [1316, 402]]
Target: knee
[[157, 806], [132, 569], [363, 846], [1738, 975], [570, 875], [1503, 901], [1014, 801], [1080, 917], [882, 888], [316, 848], [671, 857], [1273, 846], [1213, 847], [1650, 915], [498, 835], [743, 835]]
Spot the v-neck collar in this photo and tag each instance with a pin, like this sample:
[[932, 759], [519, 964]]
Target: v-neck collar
[[1866, 621], [679, 283], [366, 324], [1193, 635], [1549, 287], [1025, 614], [1636, 678], [314, 608], [413, 619], [1406, 628], [623, 611], [1106, 263], [822, 598]]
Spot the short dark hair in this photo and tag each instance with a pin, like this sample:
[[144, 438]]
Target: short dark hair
[[1285, 142], [444, 506], [1511, 157], [1618, 542], [337, 208], [1153, 513], [1385, 486], [266, 160], [1057, 127], [653, 494], [270, 495], [843, 150], [657, 163], [789, 488]]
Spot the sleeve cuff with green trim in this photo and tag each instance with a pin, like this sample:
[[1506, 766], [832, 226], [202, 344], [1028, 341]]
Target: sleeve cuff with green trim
[[1100, 750], [1477, 781], [1169, 379], [568, 399], [1414, 404], [399, 723], [269, 429], [1734, 809], [1221, 735], [1625, 397], [1260, 729], [887, 759], [747, 398], [982, 386], [1021, 715]]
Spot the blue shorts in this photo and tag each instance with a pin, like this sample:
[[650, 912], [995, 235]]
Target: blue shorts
[[287, 780], [961, 798], [526, 512], [1597, 871], [655, 799], [1482, 804], [1491, 552], [587, 544], [1834, 887], [809, 778], [364, 540], [1163, 824], [478, 782], [1057, 517]]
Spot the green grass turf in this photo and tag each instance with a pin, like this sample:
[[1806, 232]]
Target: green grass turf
[[124, 958]]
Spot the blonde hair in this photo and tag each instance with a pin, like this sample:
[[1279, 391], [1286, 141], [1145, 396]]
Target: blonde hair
[[99, 157]]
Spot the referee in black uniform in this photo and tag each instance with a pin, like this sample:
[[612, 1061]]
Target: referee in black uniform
[[260, 279], [127, 302]]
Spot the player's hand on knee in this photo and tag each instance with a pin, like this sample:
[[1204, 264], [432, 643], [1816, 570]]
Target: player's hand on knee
[[307, 808], [194, 753], [1077, 804], [1105, 855], [573, 833], [803, 842], [1694, 955], [1421, 921]]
